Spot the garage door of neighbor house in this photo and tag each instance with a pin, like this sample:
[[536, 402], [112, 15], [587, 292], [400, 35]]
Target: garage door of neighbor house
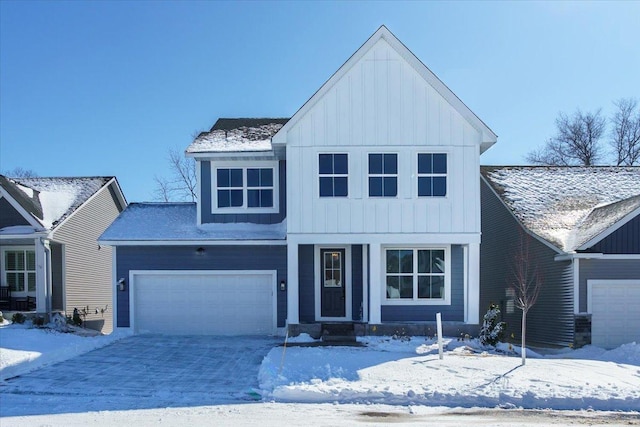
[[615, 312], [204, 303]]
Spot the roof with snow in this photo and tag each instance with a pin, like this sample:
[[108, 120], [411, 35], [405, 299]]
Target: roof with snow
[[145, 222], [237, 135], [51, 200], [566, 206]]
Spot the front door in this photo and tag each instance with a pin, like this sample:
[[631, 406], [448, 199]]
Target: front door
[[332, 283]]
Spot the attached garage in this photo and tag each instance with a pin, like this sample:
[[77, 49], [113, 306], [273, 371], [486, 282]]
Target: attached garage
[[203, 302], [615, 312]]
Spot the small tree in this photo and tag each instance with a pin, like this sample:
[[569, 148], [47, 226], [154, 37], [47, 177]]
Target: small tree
[[526, 284], [577, 141], [492, 330], [625, 132], [182, 184]]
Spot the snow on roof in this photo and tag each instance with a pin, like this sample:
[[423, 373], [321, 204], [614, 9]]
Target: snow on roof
[[59, 197], [178, 222], [567, 206], [237, 135]]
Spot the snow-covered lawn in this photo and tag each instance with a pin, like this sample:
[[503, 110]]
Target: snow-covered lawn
[[410, 373]]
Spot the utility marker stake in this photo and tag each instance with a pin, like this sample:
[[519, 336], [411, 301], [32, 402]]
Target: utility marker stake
[[439, 328]]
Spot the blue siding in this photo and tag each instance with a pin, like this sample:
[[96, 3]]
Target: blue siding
[[214, 258], [356, 282], [625, 240], [306, 281], [453, 312], [9, 216], [206, 207]]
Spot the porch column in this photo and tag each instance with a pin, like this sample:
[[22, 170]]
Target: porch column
[[293, 315], [41, 277], [375, 316], [473, 284]]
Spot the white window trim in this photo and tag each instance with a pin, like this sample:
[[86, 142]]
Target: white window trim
[[415, 301], [333, 175], [3, 270], [244, 209], [384, 175], [318, 286], [432, 175]]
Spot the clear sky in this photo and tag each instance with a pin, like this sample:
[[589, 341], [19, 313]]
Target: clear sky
[[108, 87]]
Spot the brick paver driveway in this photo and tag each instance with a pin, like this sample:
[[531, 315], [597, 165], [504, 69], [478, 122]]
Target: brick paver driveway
[[164, 370]]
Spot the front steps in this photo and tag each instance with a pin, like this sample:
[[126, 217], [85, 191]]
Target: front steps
[[338, 333]]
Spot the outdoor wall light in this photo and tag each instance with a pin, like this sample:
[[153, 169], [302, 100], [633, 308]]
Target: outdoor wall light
[[283, 285], [200, 251], [121, 284]]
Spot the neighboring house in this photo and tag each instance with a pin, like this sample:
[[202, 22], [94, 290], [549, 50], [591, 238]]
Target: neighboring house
[[582, 225], [48, 244], [363, 208]]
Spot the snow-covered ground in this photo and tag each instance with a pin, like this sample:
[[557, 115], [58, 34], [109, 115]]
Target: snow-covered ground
[[385, 380]]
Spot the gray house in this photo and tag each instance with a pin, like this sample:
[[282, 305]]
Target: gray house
[[50, 259], [362, 209], [582, 226]]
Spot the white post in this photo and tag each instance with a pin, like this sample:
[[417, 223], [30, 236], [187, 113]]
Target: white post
[[375, 316], [473, 294], [293, 300], [41, 277], [439, 329]]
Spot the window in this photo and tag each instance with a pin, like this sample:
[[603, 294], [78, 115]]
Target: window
[[416, 274], [334, 175], [383, 175], [432, 175], [20, 270], [238, 189]]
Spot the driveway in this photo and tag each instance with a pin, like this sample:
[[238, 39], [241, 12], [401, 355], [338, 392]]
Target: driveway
[[161, 370]]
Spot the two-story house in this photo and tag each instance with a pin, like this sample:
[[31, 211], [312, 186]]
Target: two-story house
[[363, 208]]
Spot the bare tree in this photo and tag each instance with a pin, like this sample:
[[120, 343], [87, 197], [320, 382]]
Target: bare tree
[[625, 132], [577, 141], [181, 185], [19, 172], [526, 285]]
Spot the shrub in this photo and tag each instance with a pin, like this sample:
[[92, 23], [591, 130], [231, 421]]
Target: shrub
[[18, 318], [76, 319], [492, 331], [1, 318], [38, 321]]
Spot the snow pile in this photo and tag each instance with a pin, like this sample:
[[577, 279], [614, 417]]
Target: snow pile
[[241, 139], [410, 372], [24, 349], [556, 202]]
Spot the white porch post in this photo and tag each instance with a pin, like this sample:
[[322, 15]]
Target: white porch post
[[375, 316], [42, 293], [473, 283], [293, 315]]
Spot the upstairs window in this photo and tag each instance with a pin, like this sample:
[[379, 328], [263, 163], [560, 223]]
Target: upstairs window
[[334, 175], [432, 175], [239, 189], [383, 175]]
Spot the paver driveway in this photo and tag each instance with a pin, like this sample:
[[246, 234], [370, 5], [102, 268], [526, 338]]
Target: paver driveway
[[185, 369]]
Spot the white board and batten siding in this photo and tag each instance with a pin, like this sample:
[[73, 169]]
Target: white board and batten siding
[[198, 302], [615, 312], [383, 105], [87, 267]]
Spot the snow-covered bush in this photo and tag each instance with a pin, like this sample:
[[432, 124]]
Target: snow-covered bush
[[18, 318], [492, 330]]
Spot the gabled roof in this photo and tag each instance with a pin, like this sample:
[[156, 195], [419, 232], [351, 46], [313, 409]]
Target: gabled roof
[[177, 222], [51, 200], [237, 135], [567, 206], [488, 136]]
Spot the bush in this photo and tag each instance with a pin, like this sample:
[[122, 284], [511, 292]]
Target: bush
[[1, 318], [18, 318], [38, 321], [492, 331]]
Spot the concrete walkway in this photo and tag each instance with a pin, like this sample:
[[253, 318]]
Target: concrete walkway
[[165, 370]]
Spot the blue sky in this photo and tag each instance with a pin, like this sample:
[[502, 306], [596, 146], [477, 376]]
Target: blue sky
[[107, 88]]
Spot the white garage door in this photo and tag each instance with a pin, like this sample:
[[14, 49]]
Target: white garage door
[[615, 312], [204, 303]]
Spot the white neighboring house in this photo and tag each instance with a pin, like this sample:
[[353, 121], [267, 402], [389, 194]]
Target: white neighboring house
[[363, 209], [49, 254]]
